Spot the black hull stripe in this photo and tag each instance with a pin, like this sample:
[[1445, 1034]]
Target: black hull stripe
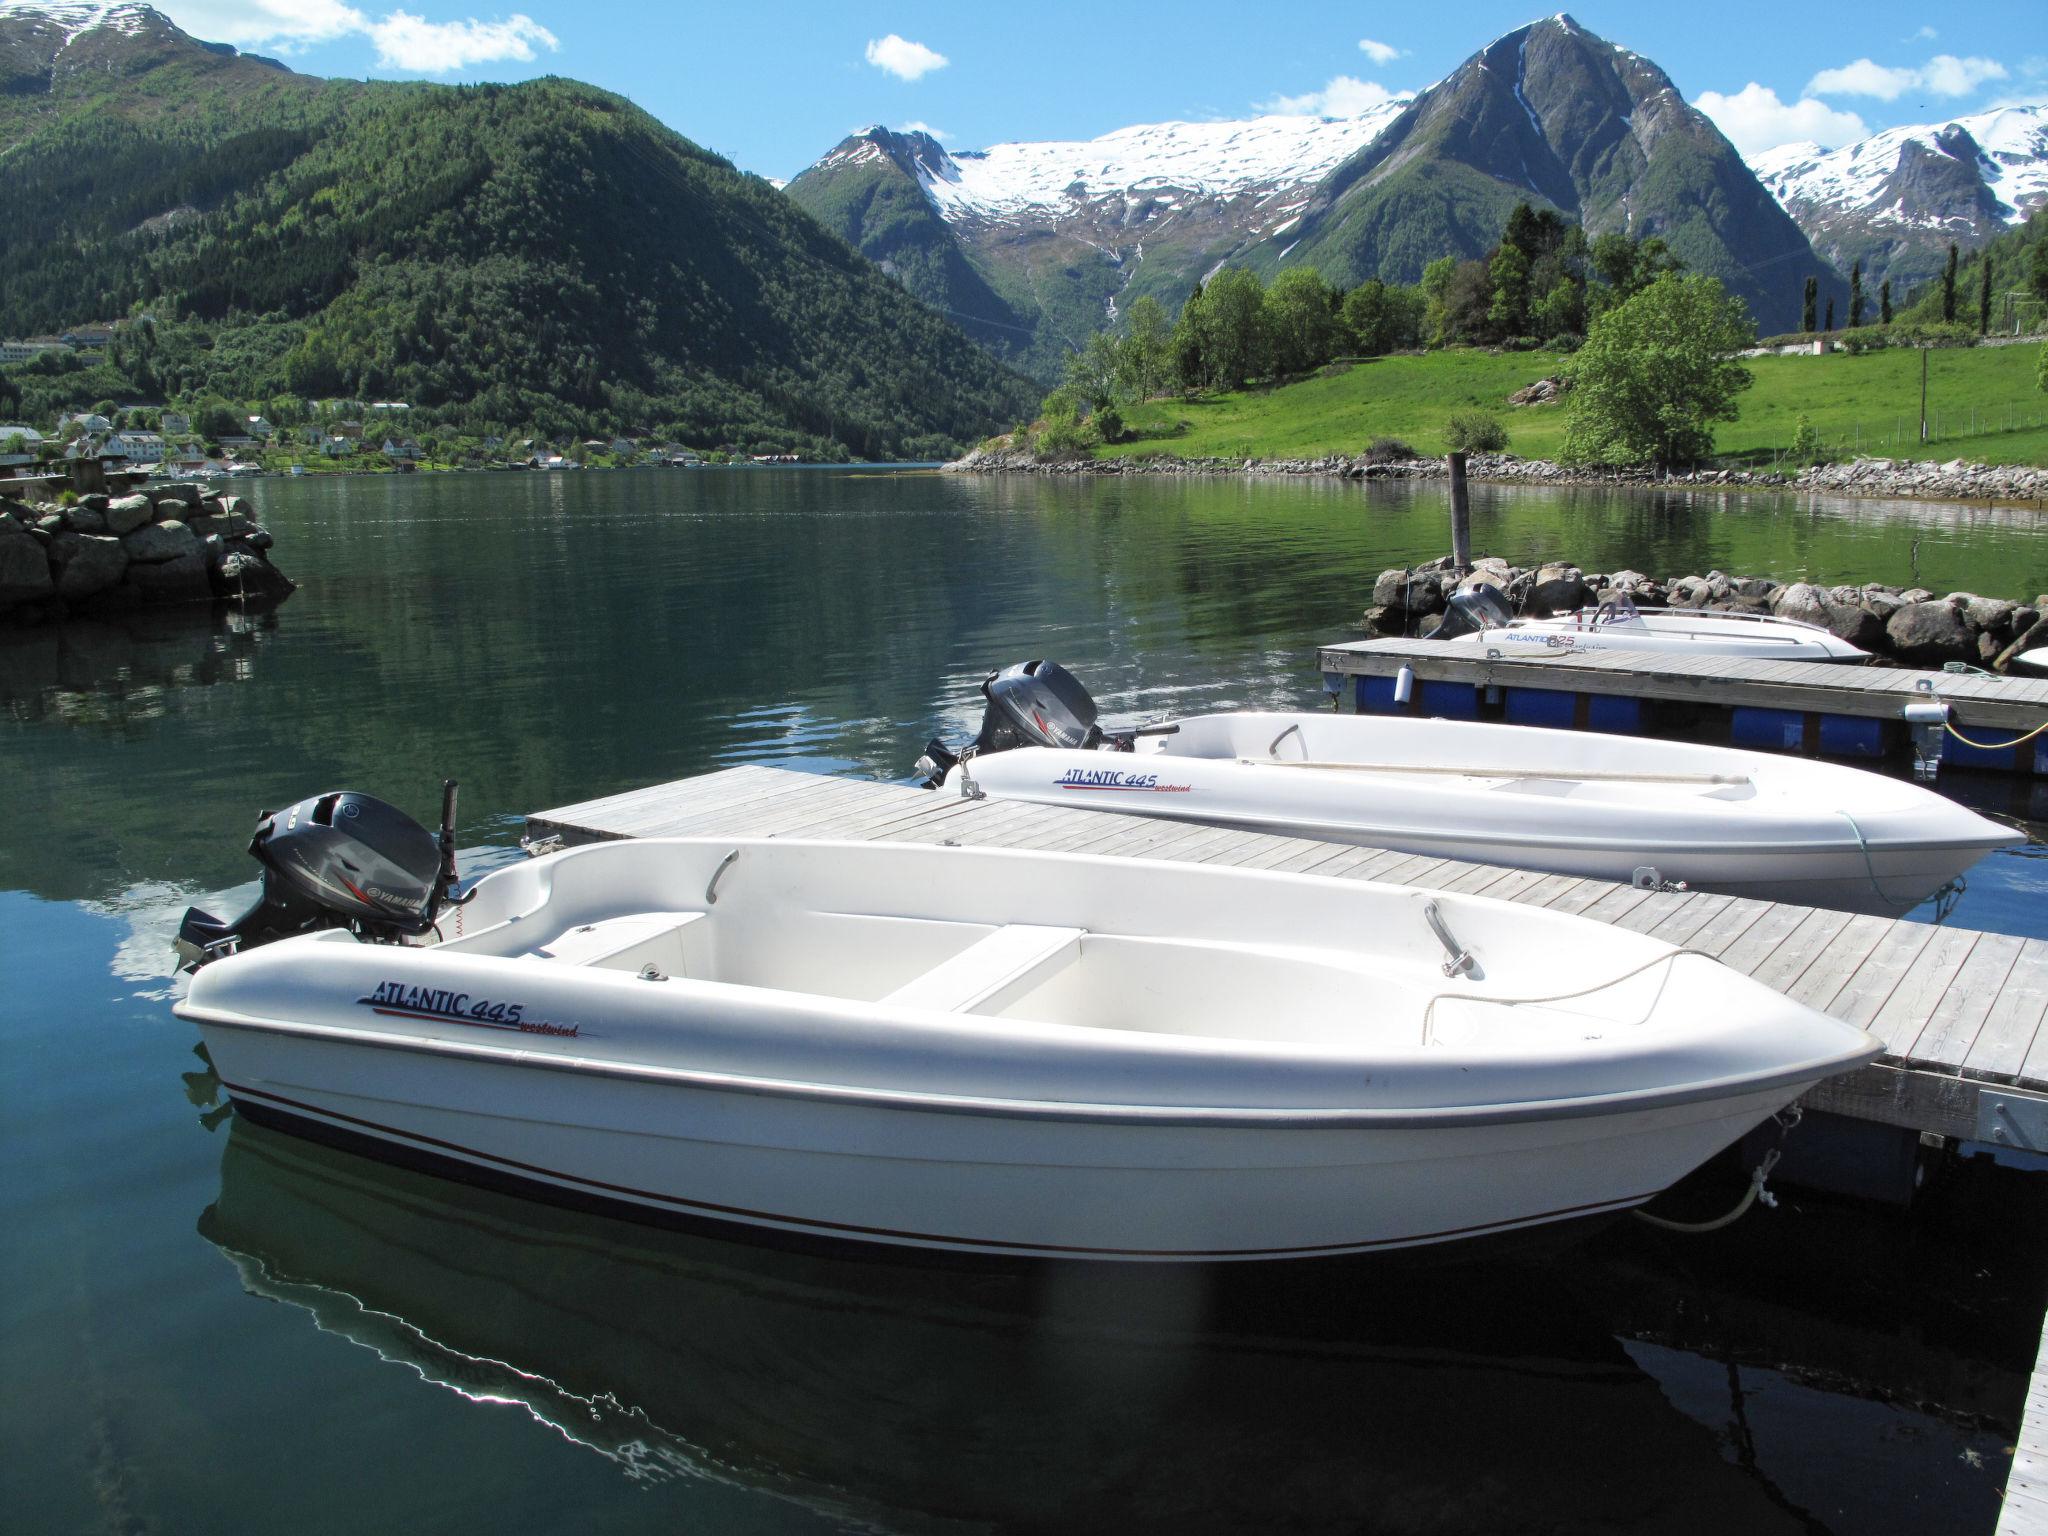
[[752, 1217]]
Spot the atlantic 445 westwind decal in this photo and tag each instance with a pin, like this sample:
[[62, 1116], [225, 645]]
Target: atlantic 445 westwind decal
[[398, 1000], [1117, 778]]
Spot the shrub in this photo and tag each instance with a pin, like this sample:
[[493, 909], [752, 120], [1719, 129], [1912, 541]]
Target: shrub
[[1807, 447], [1475, 432], [1388, 450], [1109, 421]]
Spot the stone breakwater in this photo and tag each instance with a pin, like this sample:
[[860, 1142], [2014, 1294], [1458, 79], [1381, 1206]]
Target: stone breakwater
[[1912, 625], [1952, 481], [170, 544]]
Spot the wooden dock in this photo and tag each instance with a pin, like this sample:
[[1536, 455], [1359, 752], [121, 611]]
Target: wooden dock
[[1961, 1013], [2026, 1484], [1811, 692]]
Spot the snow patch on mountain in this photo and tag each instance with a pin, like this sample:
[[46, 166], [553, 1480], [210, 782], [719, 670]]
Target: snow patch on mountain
[[2013, 163], [74, 20], [1274, 158]]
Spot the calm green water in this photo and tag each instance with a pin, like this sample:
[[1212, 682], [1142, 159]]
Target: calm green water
[[204, 1327]]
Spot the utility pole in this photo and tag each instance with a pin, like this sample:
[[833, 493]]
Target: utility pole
[[1461, 517], [1923, 394]]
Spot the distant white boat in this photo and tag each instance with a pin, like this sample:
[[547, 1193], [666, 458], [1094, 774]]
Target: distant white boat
[[1479, 617], [1573, 802], [1013, 1053], [2037, 659]]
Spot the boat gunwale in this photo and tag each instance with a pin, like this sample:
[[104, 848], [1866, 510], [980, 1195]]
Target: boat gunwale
[[1406, 1117]]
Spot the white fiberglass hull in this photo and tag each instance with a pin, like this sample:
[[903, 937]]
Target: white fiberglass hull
[[1672, 631], [1566, 802], [1198, 1065]]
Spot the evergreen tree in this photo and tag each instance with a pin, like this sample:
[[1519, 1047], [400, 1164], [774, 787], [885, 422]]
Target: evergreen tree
[[1855, 295], [1808, 319], [1948, 287], [1830, 327], [1884, 301], [1984, 296]]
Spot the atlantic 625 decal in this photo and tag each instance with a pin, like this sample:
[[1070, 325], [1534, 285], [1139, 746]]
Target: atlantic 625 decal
[[1117, 778], [441, 1005]]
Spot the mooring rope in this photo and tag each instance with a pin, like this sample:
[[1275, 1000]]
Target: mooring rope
[[1994, 746]]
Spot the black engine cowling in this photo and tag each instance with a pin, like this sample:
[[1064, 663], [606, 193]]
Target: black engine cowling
[[338, 860], [1029, 704]]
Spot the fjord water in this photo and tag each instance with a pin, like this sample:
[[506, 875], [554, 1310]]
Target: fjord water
[[210, 1327]]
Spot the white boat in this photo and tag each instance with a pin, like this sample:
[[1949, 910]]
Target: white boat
[[1014, 1053], [2036, 659], [1569, 802], [1479, 617]]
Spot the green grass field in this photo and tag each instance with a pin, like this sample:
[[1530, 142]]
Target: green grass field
[[1984, 403]]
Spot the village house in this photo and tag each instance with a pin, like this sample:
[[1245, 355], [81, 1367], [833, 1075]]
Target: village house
[[261, 429], [86, 421], [175, 424], [134, 446], [31, 349], [336, 447], [92, 336], [18, 444]]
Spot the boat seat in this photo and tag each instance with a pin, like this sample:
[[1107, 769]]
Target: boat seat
[[617, 941], [992, 970]]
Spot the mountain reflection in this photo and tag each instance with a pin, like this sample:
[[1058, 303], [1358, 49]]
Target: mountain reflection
[[1395, 1397]]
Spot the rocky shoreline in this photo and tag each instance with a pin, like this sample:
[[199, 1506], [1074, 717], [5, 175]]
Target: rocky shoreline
[[104, 554], [2012, 484], [1912, 626]]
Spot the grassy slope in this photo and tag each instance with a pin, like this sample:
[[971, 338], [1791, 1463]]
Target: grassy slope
[[1854, 401]]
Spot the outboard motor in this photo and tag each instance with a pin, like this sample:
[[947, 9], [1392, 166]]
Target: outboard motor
[[338, 860], [1472, 612], [1030, 704]]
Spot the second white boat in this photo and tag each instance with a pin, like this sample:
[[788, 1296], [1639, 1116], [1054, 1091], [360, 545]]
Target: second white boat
[[1569, 802]]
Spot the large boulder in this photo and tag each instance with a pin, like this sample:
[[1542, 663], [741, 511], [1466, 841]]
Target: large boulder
[[125, 514], [247, 577], [24, 570], [84, 519], [87, 563], [180, 580], [171, 497], [1557, 589], [1991, 614], [1856, 624], [2033, 636], [1415, 592], [159, 542], [1930, 633], [1802, 601]]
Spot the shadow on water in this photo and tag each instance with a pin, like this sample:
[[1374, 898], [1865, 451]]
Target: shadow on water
[[112, 673], [1490, 1397]]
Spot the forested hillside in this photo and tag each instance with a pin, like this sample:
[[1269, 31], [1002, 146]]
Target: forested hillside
[[540, 255]]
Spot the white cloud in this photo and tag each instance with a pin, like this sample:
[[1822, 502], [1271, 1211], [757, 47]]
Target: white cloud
[[1755, 119], [283, 26], [1344, 96], [1944, 75], [915, 126], [1378, 52], [1924, 35], [403, 41], [408, 42], [902, 58]]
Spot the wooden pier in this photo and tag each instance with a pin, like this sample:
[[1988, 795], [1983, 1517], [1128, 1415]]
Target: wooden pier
[[1808, 705], [2026, 1485], [1961, 1013]]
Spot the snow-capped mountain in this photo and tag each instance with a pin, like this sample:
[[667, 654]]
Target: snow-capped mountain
[[1031, 246], [1895, 200], [1270, 162]]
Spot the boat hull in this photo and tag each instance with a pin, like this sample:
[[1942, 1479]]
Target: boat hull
[[1715, 819], [1672, 632], [1033, 1187]]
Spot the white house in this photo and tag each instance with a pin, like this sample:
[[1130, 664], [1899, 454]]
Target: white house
[[135, 447], [337, 447], [31, 439], [88, 421], [176, 424], [258, 427]]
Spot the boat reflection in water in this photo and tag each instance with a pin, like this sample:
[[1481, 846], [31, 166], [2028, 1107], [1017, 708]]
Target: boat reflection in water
[[1368, 1394]]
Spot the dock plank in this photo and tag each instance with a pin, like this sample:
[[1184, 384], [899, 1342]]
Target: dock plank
[[2025, 1511]]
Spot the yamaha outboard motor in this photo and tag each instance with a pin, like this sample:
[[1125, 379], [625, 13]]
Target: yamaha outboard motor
[[338, 860], [1031, 704], [1471, 612]]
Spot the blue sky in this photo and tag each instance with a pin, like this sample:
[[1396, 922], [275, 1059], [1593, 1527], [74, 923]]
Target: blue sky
[[773, 86]]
